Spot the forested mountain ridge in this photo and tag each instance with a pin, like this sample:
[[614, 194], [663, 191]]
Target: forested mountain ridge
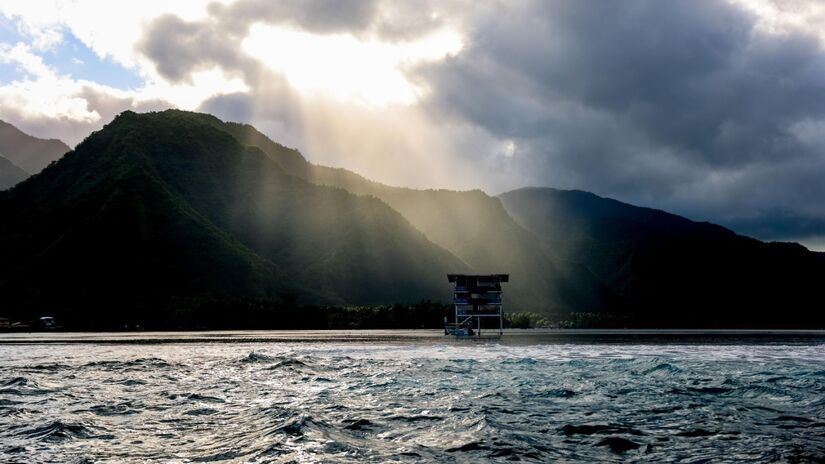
[[674, 271], [472, 225], [159, 210], [163, 205]]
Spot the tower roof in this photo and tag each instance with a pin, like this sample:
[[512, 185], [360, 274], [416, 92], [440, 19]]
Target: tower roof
[[494, 277]]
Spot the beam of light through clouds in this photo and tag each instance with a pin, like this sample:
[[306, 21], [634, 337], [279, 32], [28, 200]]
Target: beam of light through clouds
[[712, 109], [343, 67]]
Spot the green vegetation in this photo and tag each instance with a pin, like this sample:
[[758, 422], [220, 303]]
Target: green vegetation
[[165, 205], [473, 226], [179, 220], [673, 272], [526, 320], [587, 320], [208, 312]]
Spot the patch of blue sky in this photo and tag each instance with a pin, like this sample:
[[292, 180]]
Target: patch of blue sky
[[74, 58], [8, 31], [70, 57], [9, 36]]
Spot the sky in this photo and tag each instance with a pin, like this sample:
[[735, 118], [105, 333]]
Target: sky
[[710, 109]]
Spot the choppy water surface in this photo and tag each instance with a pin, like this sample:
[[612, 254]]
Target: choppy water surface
[[412, 401]]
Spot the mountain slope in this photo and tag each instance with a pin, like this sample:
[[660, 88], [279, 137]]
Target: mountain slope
[[473, 226], [674, 271], [140, 244], [161, 205], [159, 208], [10, 174], [30, 153]]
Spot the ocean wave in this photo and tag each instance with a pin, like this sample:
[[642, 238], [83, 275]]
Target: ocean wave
[[195, 397], [296, 425], [331, 402], [138, 363], [122, 409], [59, 431], [22, 386], [254, 357]]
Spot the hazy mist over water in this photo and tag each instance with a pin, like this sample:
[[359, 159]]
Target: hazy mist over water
[[411, 400]]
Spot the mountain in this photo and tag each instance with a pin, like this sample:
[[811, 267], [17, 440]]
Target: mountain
[[674, 271], [10, 174], [473, 226], [174, 218], [29, 153], [168, 205]]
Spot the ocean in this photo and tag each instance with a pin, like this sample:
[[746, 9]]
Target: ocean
[[403, 396]]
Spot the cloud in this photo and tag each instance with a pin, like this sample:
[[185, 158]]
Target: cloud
[[326, 79], [46, 103], [43, 92], [49, 103], [321, 16], [690, 106], [710, 109], [110, 29], [178, 48], [193, 55], [339, 48]]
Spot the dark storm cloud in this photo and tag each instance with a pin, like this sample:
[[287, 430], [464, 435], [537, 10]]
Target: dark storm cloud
[[389, 19], [179, 48], [781, 225], [675, 104], [681, 105], [322, 16]]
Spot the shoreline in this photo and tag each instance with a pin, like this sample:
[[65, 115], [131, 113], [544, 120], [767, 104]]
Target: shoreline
[[415, 335]]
